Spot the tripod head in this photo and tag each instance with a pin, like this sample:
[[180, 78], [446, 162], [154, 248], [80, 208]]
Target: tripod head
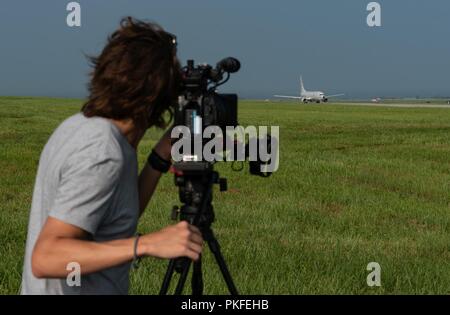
[[195, 181]]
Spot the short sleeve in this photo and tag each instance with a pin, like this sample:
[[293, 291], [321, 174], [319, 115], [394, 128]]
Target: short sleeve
[[85, 191]]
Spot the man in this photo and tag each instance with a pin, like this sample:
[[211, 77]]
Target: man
[[88, 196]]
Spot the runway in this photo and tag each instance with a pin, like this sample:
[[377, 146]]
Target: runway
[[396, 105]]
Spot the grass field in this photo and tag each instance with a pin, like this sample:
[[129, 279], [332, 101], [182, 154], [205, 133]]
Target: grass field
[[355, 185]]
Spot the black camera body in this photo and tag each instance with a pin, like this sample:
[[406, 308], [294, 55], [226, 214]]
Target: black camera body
[[199, 99], [200, 106]]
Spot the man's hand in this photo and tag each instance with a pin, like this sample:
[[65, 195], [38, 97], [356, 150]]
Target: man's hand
[[180, 240]]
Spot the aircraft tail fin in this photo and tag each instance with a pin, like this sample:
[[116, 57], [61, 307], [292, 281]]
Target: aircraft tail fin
[[302, 87]]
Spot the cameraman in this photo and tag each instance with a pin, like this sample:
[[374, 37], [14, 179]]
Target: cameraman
[[88, 196]]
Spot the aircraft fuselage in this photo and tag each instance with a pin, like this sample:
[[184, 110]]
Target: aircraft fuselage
[[314, 96]]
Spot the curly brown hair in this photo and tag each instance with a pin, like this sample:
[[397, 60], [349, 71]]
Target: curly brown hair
[[136, 76]]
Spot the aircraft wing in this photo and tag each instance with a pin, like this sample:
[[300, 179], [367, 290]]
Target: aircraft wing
[[286, 96], [334, 95]]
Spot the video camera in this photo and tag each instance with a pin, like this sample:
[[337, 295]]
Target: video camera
[[198, 97], [199, 107]]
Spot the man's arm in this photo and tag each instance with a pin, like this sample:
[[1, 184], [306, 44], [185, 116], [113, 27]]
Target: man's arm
[[149, 177], [60, 243], [148, 180]]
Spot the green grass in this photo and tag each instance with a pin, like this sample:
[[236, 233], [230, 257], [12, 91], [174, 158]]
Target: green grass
[[355, 185]]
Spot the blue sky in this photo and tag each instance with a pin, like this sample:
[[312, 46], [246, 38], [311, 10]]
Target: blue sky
[[327, 41]]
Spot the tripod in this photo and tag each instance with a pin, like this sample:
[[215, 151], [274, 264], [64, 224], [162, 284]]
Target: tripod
[[196, 195]]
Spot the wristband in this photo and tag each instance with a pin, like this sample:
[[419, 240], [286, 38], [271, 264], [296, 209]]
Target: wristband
[[158, 163], [136, 259]]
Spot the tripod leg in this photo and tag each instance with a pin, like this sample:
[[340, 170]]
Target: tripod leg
[[183, 276], [197, 278], [167, 277], [214, 246]]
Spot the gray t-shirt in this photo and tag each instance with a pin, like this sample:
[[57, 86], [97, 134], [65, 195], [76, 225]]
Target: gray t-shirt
[[87, 177]]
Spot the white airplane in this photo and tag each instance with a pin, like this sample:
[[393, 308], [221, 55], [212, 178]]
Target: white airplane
[[309, 96]]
